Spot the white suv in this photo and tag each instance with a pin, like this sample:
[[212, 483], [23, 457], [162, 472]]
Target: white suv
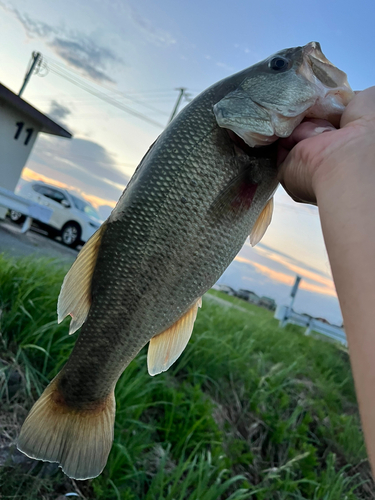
[[73, 218]]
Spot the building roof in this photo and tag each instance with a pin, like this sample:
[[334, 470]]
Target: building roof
[[48, 126]]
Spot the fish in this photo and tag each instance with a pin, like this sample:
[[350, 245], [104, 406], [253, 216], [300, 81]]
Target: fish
[[202, 188]]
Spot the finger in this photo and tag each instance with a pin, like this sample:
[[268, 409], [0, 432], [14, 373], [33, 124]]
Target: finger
[[305, 130], [296, 198], [362, 105]]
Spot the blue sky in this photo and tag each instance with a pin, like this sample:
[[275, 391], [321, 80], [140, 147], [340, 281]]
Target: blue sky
[[138, 53]]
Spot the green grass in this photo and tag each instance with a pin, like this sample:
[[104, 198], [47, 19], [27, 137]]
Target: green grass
[[249, 411]]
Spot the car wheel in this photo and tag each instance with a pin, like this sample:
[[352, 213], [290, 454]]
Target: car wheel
[[16, 216], [71, 234]]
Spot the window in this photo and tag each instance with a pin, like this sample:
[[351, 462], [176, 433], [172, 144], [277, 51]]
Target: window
[[36, 187], [53, 194], [85, 207]]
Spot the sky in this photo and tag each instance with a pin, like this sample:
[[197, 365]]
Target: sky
[[135, 55]]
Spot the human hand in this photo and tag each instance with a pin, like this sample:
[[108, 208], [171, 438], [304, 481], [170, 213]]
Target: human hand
[[314, 152], [335, 168]]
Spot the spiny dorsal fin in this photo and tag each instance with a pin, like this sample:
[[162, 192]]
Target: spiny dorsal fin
[[75, 294], [164, 349], [261, 224]]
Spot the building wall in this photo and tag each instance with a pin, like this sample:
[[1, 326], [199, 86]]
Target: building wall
[[17, 137]]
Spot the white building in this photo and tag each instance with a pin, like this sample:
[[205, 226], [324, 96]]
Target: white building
[[20, 124]]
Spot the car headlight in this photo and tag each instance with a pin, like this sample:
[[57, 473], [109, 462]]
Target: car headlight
[[96, 226]]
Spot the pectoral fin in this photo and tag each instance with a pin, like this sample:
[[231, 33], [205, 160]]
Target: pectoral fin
[[164, 349], [75, 295], [262, 223]]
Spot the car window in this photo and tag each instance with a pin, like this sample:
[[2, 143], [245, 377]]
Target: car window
[[37, 188], [85, 206], [53, 194], [58, 196], [45, 191]]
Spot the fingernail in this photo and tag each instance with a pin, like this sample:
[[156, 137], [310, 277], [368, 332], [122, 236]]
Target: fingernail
[[320, 130]]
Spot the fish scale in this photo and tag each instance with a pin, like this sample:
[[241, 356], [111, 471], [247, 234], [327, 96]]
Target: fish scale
[[191, 250], [188, 244], [199, 191]]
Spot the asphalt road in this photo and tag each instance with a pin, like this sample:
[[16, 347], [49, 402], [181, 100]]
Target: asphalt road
[[14, 243]]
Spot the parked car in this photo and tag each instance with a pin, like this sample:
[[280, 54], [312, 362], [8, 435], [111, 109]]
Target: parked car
[[224, 288], [243, 294], [268, 303], [73, 218], [247, 295]]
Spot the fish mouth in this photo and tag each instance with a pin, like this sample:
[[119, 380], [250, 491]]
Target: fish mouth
[[328, 74], [335, 92]]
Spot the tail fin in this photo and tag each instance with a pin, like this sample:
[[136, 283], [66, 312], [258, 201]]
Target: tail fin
[[79, 440]]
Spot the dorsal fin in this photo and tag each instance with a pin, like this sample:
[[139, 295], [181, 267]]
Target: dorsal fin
[[164, 349], [75, 294], [262, 223]]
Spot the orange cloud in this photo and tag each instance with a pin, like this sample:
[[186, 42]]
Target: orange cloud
[[310, 287], [31, 175], [305, 273], [327, 289], [270, 273]]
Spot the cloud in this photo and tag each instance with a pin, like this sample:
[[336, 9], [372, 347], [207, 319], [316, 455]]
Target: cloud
[[58, 112], [32, 27], [312, 282], [224, 66], [81, 164], [77, 49], [84, 54], [270, 273], [295, 266], [263, 280], [153, 34]]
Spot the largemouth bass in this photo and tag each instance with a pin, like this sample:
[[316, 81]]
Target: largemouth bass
[[203, 187]]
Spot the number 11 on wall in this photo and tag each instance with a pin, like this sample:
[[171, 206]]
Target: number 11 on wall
[[28, 131]]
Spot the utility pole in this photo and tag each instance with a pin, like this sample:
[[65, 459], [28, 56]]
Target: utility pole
[[175, 109], [36, 56], [289, 309]]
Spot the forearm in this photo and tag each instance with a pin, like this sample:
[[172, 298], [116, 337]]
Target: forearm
[[347, 212]]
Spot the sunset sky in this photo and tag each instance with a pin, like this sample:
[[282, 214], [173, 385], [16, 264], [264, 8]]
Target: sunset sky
[[135, 55]]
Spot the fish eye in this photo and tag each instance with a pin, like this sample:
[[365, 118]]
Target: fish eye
[[279, 63]]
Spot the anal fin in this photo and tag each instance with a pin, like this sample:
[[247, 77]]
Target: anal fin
[[262, 223], [75, 294], [164, 349]]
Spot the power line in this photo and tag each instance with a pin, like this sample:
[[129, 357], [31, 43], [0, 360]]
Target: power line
[[105, 97], [55, 66], [69, 73], [106, 87]]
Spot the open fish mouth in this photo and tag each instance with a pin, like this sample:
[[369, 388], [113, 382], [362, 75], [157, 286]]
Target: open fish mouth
[[328, 74], [335, 92]]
